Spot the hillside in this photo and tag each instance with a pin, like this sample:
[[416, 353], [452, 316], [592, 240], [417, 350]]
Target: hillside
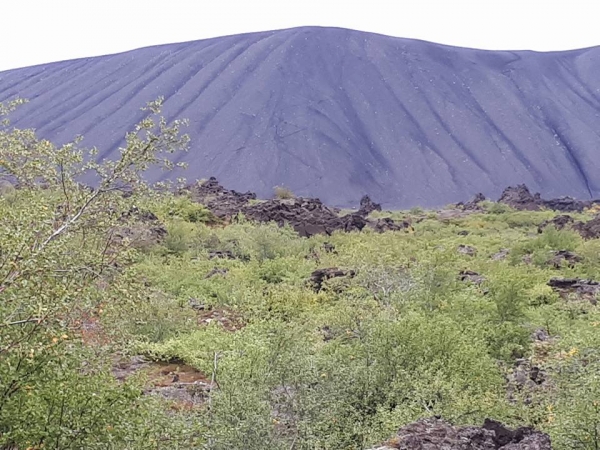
[[336, 113]]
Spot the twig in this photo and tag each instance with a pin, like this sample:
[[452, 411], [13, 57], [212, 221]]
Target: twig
[[294, 442], [64, 186], [21, 322], [72, 220], [76, 217], [213, 381]]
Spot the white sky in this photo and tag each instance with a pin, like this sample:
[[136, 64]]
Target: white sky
[[40, 31]]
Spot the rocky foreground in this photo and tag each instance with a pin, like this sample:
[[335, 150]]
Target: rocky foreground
[[436, 434]]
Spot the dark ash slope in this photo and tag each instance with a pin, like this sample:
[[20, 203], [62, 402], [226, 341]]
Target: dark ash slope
[[336, 114]]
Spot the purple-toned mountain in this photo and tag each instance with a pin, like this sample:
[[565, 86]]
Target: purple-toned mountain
[[337, 114]]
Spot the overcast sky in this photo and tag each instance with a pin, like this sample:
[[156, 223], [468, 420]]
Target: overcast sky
[[40, 31]]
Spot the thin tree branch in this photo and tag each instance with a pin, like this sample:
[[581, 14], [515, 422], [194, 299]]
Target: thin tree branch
[[21, 322]]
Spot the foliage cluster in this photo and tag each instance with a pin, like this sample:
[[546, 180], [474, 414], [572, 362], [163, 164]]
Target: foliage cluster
[[61, 271]]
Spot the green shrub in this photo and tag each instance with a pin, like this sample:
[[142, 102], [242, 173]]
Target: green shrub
[[189, 211], [61, 268], [540, 246], [281, 270], [283, 193], [262, 241], [524, 219], [179, 237], [7, 190], [508, 337], [496, 207]]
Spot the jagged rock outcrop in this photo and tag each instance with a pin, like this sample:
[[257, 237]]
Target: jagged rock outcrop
[[559, 222], [519, 197], [589, 229], [223, 203], [367, 206], [473, 204], [567, 204], [580, 288], [307, 216], [387, 224], [526, 380]]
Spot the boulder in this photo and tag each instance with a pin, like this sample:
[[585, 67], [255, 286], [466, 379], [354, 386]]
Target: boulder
[[220, 254], [582, 289], [519, 197], [500, 255], [216, 271], [367, 206], [564, 257], [319, 276], [567, 204], [473, 204], [437, 434], [467, 250], [558, 222], [470, 276], [589, 229], [329, 248], [6, 188]]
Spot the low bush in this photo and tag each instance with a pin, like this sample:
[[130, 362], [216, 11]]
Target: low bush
[[188, 211], [283, 193]]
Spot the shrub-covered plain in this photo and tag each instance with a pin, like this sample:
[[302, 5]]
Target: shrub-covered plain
[[89, 279]]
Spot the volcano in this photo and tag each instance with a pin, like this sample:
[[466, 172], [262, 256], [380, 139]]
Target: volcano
[[337, 114]]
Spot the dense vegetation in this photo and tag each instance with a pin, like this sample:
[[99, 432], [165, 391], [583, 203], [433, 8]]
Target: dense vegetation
[[86, 285]]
